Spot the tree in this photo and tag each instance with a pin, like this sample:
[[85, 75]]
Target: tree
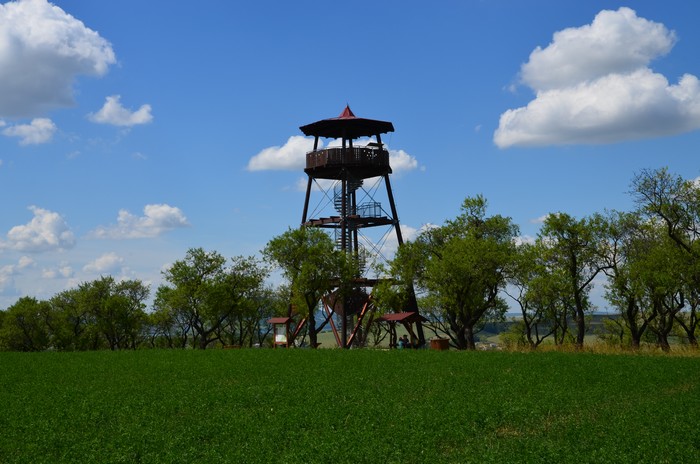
[[203, 293], [312, 266], [676, 203], [116, 309], [576, 248], [538, 294], [627, 236], [689, 321], [169, 322], [74, 327], [162, 325], [248, 325], [658, 273], [23, 327], [462, 267], [673, 200]]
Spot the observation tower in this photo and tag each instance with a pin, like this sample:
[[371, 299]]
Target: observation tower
[[348, 174]]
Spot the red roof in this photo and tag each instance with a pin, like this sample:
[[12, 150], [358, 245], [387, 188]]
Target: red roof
[[347, 126], [347, 113], [279, 320], [408, 316]]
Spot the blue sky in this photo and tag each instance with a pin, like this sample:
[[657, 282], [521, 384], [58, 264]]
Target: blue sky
[[132, 130]]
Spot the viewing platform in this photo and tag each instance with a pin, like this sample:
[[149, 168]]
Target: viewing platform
[[367, 161]]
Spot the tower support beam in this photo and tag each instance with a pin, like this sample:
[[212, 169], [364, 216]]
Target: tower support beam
[[350, 165]]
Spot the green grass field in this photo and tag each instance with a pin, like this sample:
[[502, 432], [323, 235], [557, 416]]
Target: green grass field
[[347, 406]]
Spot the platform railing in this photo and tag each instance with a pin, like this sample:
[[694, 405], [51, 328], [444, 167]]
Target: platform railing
[[356, 156]]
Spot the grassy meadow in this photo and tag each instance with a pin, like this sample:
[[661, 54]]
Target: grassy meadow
[[228, 406]]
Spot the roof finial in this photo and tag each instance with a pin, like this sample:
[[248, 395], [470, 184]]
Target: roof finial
[[347, 113]]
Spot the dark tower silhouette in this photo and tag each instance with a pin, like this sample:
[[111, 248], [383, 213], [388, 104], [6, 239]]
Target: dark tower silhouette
[[345, 169]]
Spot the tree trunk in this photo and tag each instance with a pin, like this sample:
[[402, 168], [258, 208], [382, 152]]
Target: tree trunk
[[662, 342], [311, 323], [636, 332], [469, 337], [580, 320]]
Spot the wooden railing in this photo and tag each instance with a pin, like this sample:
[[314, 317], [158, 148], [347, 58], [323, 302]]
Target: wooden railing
[[356, 156]]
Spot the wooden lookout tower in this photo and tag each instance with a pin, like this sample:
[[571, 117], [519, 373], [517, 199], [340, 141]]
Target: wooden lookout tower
[[349, 172]]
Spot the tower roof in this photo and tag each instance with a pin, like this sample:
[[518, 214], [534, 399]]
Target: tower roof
[[347, 126]]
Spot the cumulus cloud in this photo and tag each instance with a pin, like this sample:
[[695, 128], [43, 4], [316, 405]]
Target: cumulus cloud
[[401, 161], [291, 156], [112, 112], [25, 262], [157, 220], [47, 231], [107, 263], [539, 220], [42, 51], [63, 270], [40, 130], [7, 274], [616, 42], [524, 239], [593, 84], [8, 271]]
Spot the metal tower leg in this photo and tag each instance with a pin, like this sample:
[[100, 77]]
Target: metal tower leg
[[412, 302]]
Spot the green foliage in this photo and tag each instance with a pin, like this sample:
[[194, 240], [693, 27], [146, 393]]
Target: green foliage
[[514, 338], [204, 296], [309, 261], [651, 258], [675, 203], [368, 406], [574, 251], [540, 292], [98, 314], [312, 266], [462, 266], [23, 327]]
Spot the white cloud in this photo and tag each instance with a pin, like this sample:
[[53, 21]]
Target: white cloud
[[616, 42], [42, 50], [539, 220], [25, 262], [115, 114], [291, 156], [40, 130], [593, 85], [157, 219], [47, 231], [401, 161], [63, 270], [6, 276], [524, 239], [9, 271], [107, 263]]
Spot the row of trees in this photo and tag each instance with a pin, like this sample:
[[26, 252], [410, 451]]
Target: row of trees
[[204, 301], [466, 269], [467, 272]]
